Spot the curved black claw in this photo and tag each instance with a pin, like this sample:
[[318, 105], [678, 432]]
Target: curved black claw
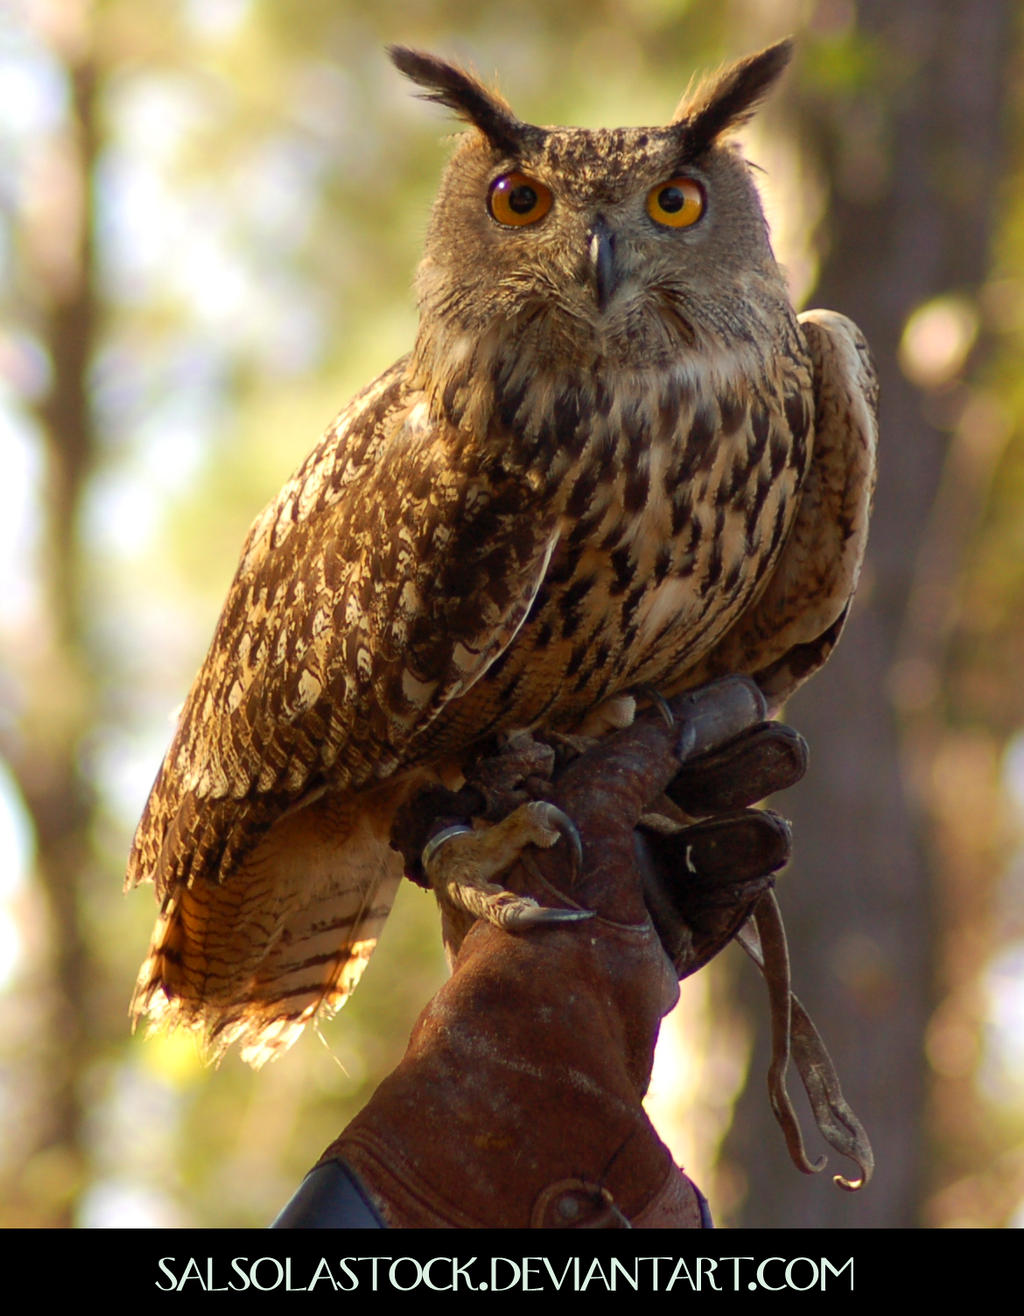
[[657, 700], [564, 825], [436, 842], [540, 915]]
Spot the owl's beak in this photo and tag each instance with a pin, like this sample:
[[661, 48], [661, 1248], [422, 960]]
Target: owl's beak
[[601, 250]]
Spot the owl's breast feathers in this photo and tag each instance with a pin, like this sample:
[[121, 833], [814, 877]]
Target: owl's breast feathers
[[444, 566]]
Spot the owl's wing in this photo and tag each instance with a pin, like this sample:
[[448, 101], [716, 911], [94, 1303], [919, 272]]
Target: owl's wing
[[386, 577], [796, 621]]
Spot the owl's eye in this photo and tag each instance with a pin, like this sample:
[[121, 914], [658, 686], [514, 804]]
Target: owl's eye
[[515, 200], [677, 203]]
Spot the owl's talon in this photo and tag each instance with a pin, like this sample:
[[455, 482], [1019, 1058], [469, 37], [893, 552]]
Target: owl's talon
[[567, 830], [657, 701], [436, 842], [515, 913], [533, 915], [460, 861]]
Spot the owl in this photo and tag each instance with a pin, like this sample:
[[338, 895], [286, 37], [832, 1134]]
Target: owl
[[615, 461]]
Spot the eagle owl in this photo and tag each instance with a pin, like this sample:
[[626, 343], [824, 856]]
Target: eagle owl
[[615, 459]]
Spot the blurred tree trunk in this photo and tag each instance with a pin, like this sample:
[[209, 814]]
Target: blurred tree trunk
[[912, 156], [56, 681]]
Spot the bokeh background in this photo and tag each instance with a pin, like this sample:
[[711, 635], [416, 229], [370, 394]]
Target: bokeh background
[[210, 213]]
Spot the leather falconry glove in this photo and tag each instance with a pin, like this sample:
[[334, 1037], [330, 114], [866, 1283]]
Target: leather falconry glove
[[519, 1100]]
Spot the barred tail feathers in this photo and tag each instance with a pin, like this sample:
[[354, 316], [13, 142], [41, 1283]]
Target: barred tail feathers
[[254, 958]]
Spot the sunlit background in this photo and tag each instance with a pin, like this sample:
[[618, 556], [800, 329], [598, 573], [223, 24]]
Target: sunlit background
[[210, 213]]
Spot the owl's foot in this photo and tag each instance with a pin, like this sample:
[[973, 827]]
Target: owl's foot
[[461, 860]]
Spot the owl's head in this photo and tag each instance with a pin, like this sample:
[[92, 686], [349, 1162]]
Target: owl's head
[[626, 245]]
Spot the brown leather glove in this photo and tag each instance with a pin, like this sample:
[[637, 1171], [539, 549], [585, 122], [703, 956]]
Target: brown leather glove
[[519, 1100]]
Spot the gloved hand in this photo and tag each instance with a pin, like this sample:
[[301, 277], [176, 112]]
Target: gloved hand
[[519, 1100]]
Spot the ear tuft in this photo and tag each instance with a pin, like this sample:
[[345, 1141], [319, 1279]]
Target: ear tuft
[[447, 84], [729, 98]]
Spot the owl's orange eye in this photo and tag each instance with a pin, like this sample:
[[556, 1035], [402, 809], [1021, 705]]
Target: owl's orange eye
[[677, 203], [516, 200]]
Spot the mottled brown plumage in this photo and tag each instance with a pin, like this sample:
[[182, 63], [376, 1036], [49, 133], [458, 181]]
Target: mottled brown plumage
[[614, 458]]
